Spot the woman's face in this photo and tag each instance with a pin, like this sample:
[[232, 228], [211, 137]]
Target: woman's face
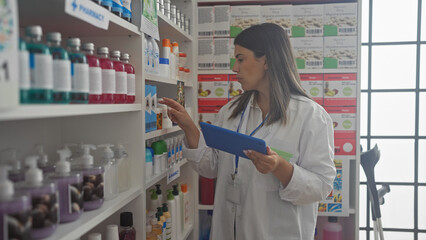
[[251, 71]]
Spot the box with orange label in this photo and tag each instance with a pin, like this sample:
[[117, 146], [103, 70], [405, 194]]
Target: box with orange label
[[344, 121], [208, 114], [313, 85], [235, 88], [345, 146], [212, 89], [340, 89]]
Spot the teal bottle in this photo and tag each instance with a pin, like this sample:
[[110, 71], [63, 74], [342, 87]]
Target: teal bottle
[[61, 69], [24, 72], [40, 67], [79, 72]]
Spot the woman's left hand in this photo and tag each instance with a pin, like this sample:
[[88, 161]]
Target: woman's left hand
[[264, 163]]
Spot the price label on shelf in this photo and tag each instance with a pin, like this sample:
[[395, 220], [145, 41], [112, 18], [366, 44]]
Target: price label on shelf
[[88, 11], [173, 173]]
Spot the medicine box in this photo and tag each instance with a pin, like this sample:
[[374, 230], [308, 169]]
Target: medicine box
[[243, 17], [308, 20], [205, 21], [212, 89], [340, 89], [313, 85], [279, 14], [222, 20], [344, 121], [308, 52], [345, 146], [340, 52], [206, 54], [208, 114], [340, 19], [222, 49], [235, 88], [231, 54]]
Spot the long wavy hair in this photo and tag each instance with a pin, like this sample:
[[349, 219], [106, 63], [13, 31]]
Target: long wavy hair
[[271, 41]]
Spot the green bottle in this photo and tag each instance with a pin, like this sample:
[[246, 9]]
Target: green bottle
[[158, 157]]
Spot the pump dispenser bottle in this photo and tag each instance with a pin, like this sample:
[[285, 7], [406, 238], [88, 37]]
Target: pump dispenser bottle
[[171, 200], [110, 165], [120, 78], [79, 72], [131, 84], [93, 180], [95, 74], [9, 158], [70, 186], [43, 162], [108, 76], [159, 194], [178, 206], [44, 198], [154, 203], [61, 69], [15, 210], [24, 72], [123, 168], [169, 222]]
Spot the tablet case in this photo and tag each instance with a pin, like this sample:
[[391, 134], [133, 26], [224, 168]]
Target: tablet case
[[231, 142]]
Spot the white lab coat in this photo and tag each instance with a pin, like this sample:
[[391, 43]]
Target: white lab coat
[[267, 210]]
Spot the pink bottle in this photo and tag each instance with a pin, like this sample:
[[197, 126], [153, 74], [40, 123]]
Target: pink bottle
[[108, 76], [332, 230], [131, 84], [95, 74], [120, 78]]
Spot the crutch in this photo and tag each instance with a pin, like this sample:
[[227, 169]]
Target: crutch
[[369, 160]]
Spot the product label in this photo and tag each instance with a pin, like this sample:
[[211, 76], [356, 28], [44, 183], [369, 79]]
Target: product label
[[340, 89], [108, 81], [222, 47], [117, 6], [243, 17], [61, 75], [24, 71], [205, 53], [308, 20], [313, 85], [75, 198], [340, 52], [41, 71], [345, 146], [340, 19], [344, 121], [80, 77], [121, 82], [222, 16], [131, 84], [212, 90], [205, 21], [173, 173], [279, 14], [16, 226], [308, 52], [88, 11], [45, 210], [95, 75], [93, 187], [127, 8]]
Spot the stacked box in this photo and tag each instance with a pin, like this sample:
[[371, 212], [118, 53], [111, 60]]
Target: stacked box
[[222, 49], [235, 88], [150, 107], [345, 147], [208, 114], [308, 20], [340, 19], [344, 121], [222, 21], [243, 17], [313, 85], [206, 54], [279, 14], [212, 89], [308, 52], [340, 89], [231, 54], [340, 52], [205, 21]]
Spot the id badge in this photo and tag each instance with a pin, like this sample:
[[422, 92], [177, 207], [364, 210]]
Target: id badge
[[232, 193]]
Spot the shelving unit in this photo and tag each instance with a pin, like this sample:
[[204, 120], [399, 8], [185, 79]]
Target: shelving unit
[[155, 179]]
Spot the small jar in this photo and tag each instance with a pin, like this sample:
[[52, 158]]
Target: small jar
[[182, 20], [178, 22], [173, 13], [161, 6], [187, 28], [167, 8]]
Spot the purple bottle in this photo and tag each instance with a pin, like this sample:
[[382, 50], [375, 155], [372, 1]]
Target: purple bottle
[[70, 186], [127, 231], [44, 200], [15, 209]]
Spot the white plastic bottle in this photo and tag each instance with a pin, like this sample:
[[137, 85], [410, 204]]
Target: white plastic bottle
[[169, 152], [94, 236], [156, 56], [171, 202], [123, 168], [177, 210], [159, 194], [145, 53], [150, 55], [154, 202], [110, 165], [186, 206], [332, 230], [176, 59]]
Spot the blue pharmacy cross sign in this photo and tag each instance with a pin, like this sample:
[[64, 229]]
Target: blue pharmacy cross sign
[[74, 5]]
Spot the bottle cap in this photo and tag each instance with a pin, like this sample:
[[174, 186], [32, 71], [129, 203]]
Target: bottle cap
[[103, 50], [43, 160], [175, 190], [175, 44], [87, 159], [170, 195], [184, 187], [166, 42], [108, 153], [33, 175], [112, 232], [154, 195], [332, 219], [54, 37], [94, 236], [6, 186], [160, 211], [126, 219], [181, 69], [165, 207], [187, 70], [115, 53], [88, 46], [73, 42], [182, 54], [63, 166], [158, 188], [125, 56], [34, 31]]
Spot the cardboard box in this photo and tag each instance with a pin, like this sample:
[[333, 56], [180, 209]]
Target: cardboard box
[[208, 114], [206, 54], [279, 14], [340, 52], [231, 54], [212, 90], [345, 146], [222, 20], [344, 121], [222, 48], [235, 88], [243, 17], [308, 20], [309, 52], [340, 89], [313, 85], [340, 19], [205, 21]]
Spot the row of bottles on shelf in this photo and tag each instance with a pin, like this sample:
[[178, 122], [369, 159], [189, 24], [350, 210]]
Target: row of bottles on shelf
[[168, 219], [122, 8], [52, 74], [52, 194], [161, 155], [175, 15], [126, 231]]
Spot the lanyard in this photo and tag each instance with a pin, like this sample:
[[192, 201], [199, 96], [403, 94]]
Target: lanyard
[[237, 158]]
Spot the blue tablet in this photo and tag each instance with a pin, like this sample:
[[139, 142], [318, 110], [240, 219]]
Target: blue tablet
[[229, 141]]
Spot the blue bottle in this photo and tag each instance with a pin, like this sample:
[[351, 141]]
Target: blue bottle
[[79, 72], [117, 7], [107, 4], [127, 10]]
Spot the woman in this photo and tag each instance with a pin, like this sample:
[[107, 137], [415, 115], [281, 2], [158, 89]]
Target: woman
[[273, 196]]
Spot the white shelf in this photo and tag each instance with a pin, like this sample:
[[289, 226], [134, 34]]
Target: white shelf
[[89, 220], [155, 179], [205, 207], [60, 110], [162, 132], [69, 26], [156, 78], [168, 28], [186, 233]]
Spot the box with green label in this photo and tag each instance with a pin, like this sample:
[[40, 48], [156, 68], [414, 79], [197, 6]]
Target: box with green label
[[308, 52], [313, 85], [340, 52], [340, 19], [212, 89], [205, 22], [243, 17], [344, 121], [340, 89], [281, 15], [308, 20]]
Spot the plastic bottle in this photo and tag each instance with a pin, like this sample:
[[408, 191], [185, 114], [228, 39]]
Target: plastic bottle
[[186, 206], [110, 164], [14, 208], [171, 201], [161, 220], [79, 72], [43, 162], [145, 53], [44, 198], [180, 145], [177, 218], [158, 157], [169, 152], [94, 236], [93, 180], [150, 235], [173, 150], [24, 72], [176, 59], [127, 10], [156, 56], [180, 211], [156, 227], [108, 76], [332, 230], [123, 168], [40, 66], [127, 231], [111, 232], [117, 7], [150, 55], [159, 194], [148, 164], [131, 82], [9, 158], [61, 69], [154, 202], [70, 187], [120, 78], [107, 4], [95, 74]]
